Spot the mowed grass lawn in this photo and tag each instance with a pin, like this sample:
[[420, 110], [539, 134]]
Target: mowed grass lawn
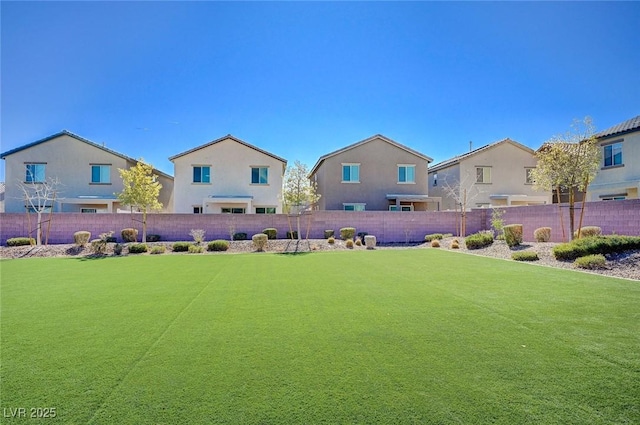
[[367, 337]]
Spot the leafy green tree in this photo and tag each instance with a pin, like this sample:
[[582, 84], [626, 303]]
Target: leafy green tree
[[141, 190], [569, 162]]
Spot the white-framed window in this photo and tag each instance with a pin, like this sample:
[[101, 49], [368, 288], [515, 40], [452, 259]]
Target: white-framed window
[[233, 210], [265, 210], [435, 179], [197, 209], [612, 154], [406, 173], [350, 173], [89, 210], [35, 172], [483, 174], [402, 208], [528, 176], [100, 173], [201, 174], [353, 206], [259, 175]]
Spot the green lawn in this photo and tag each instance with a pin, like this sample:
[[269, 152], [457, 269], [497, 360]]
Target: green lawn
[[368, 337]]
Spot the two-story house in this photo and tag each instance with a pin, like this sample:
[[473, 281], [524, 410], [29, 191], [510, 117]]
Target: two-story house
[[228, 175], [619, 174], [497, 174], [87, 174], [375, 174]]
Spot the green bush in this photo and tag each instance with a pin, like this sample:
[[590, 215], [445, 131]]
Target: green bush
[[195, 249], [591, 262], [328, 234], [239, 236], [542, 234], [181, 246], [20, 241], [595, 245], [347, 233], [292, 235], [259, 241], [158, 249], [271, 233], [588, 231], [512, 234], [479, 240], [433, 236], [81, 238], [129, 235], [153, 238], [218, 245], [525, 256], [138, 248]]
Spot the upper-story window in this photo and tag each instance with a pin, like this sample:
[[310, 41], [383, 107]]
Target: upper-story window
[[528, 176], [101, 173], [406, 173], [201, 174], [613, 154], [350, 173], [34, 173], [483, 174], [354, 206], [259, 175]]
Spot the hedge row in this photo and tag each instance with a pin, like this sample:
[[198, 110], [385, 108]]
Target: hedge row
[[595, 245]]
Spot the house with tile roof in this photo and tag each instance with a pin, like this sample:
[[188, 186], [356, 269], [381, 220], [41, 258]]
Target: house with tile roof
[[228, 175], [619, 174], [494, 175], [374, 174], [87, 173]]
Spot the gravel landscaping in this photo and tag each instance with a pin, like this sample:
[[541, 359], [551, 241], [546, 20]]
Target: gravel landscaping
[[624, 265]]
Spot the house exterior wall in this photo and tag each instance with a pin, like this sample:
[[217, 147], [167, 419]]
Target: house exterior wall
[[379, 162], [230, 164], [618, 181], [440, 180]]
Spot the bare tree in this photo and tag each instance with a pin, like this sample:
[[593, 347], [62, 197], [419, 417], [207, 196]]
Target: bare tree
[[463, 192], [39, 198]]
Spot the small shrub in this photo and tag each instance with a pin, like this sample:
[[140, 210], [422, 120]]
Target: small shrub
[[588, 231], [219, 245], [435, 243], [239, 236], [497, 222], [433, 236], [138, 248], [158, 249], [259, 241], [181, 246], [195, 249], [358, 242], [591, 262], [350, 243], [197, 235], [271, 233], [447, 235], [129, 235], [292, 235], [479, 240], [328, 234], [117, 249], [81, 238], [370, 241], [347, 233], [512, 234], [542, 234], [455, 244], [153, 238], [525, 256], [20, 241], [331, 240], [99, 246]]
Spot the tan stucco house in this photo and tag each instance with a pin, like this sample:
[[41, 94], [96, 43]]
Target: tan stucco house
[[87, 173], [494, 175], [228, 175], [619, 174], [374, 174]]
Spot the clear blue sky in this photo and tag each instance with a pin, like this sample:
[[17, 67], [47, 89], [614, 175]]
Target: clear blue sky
[[299, 79]]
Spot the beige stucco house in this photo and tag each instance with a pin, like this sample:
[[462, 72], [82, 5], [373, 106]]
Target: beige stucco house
[[228, 175], [619, 174], [497, 174], [374, 174], [87, 173]]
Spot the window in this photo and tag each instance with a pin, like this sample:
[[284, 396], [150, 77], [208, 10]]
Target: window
[[88, 210], [613, 154], [402, 208], [265, 210], [435, 179], [406, 173], [201, 174], [614, 198], [350, 173], [259, 175], [197, 209], [528, 178], [353, 207], [483, 174], [100, 174], [35, 173], [32, 210], [232, 210]]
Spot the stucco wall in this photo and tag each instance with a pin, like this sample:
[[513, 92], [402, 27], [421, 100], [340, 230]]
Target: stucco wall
[[619, 180]]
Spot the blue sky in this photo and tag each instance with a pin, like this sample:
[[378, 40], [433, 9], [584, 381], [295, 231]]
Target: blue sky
[[301, 79]]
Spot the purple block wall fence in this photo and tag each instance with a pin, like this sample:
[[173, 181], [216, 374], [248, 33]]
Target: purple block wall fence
[[621, 217]]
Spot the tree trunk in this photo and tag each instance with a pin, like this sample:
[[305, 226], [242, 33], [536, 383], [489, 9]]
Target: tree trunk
[[584, 204], [564, 235], [572, 206], [39, 229], [144, 226]]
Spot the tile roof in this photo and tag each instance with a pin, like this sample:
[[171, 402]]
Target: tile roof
[[457, 159], [235, 139], [624, 127]]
